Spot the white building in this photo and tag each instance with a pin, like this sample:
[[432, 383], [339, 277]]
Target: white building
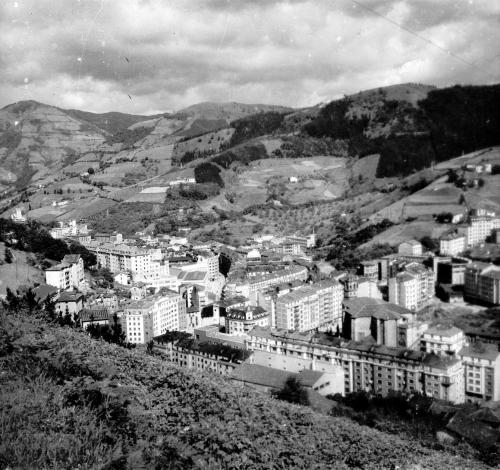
[[146, 318], [413, 288], [482, 371], [121, 257], [442, 340], [68, 274], [239, 321], [410, 248], [452, 244], [310, 307], [480, 228]]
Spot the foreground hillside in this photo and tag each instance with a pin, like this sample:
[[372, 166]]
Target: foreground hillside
[[72, 402]]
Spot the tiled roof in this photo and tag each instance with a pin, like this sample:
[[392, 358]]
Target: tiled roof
[[97, 314], [44, 290], [261, 375], [70, 296], [360, 307], [309, 377]]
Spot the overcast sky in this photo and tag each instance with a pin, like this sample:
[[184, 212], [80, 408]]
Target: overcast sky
[[146, 56]]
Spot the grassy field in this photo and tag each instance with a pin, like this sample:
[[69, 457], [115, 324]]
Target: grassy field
[[17, 273]]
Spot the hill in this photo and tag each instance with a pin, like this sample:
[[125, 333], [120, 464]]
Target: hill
[[102, 406], [37, 139], [112, 122], [411, 134]]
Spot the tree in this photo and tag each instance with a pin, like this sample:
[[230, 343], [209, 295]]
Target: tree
[[31, 300], [50, 309], [90, 171], [293, 392], [431, 244], [67, 319], [8, 256], [452, 176], [11, 301]]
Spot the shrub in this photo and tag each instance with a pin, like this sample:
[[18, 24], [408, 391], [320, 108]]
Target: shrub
[[293, 392]]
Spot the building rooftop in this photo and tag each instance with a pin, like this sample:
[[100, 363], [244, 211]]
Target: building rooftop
[[261, 375], [44, 290], [480, 350], [309, 377], [443, 330], [58, 267], [411, 242], [97, 314], [232, 301], [192, 276], [68, 296], [244, 314], [223, 351], [359, 307], [452, 236], [149, 301], [71, 259], [439, 362]]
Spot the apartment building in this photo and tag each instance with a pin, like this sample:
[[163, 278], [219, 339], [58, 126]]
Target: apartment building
[[68, 274], [239, 321], [308, 307], [410, 248], [146, 318], [482, 371], [452, 244], [367, 366], [250, 287], [452, 272], [442, 340], [413, 288], [201, 355], [479, 228], [121, 257], [482, 283]]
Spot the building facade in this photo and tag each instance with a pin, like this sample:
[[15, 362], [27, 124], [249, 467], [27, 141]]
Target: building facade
[[68, 274], [153, 316], [367, 367], [482, 372], [413, 288], [482, 283], [452, 244]]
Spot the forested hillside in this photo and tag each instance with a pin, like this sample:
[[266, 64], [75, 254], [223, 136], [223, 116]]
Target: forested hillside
[[446, 123]]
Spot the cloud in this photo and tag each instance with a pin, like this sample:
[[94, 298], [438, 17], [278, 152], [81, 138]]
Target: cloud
[[94, 54]]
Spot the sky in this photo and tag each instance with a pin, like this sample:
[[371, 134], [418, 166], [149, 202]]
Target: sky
[[149, 56]]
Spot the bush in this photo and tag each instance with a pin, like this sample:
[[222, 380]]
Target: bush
[[293, 392]]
